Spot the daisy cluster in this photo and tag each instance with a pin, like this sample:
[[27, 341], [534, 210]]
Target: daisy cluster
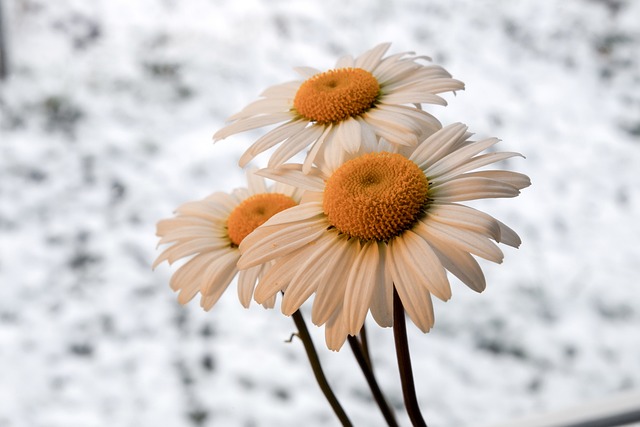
[[374, 209]]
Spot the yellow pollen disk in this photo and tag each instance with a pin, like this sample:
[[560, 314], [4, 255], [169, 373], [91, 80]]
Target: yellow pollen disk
[[336, 95], [376, 196], [253, 212]]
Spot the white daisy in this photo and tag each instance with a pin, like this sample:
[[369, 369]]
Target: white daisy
[[382, 220], [209, 232], [333, 111]]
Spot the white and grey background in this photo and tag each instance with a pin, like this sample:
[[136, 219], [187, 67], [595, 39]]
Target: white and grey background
[[106, 118]]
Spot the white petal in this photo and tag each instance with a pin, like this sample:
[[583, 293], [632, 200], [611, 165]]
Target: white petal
[[255, 183], [309, 274], [273, 137], [295, 214], [360, 286], [416, 300], [391, 127], [370, 59], [411, 97], [348, 135], [460, 157], [461, 264], [189, 273], [217, 279], [464, 217], [219, 274], [464, 240], [278, 277], [335, 332], [295, 144], [188, 248], [316, 148], [292, 174], [438, 145], [263, 106], [252, 123], [306, 72], [471, 188], [472, 163], [422, 263], [345, 61], [382, 299], [222, 201], [282, 90], [508, 236], [246, 283], [205, 209], [330, 292], [186, 278], [515, 179], [268, 243]]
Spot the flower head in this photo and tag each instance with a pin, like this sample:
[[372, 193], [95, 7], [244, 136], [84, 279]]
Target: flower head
[[382, 220], [209, 231], [337, 111]]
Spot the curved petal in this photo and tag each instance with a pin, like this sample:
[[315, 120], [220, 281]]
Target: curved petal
[[335, 331], [308, 275], [252, 123], [416, 300], [349, 135], [217, 278], [279, 276], [461, 264], [464, 217], [471, 188], [330, 292], [508, 236], [421, 263], [464, 240], [273, 137], [360, 286], [267, 243], [292, 174], [438, 145], [246, 283], [382, 298], [371, 58]]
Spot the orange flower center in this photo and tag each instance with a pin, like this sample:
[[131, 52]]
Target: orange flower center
[[376, 196], [336, 95], [253, 212]]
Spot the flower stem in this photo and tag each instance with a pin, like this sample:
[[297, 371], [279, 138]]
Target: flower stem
[[365, 346], [404, 363], [365, 366], [303, 333]]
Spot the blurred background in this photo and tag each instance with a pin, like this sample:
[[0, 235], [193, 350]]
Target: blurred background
[[107, 109]]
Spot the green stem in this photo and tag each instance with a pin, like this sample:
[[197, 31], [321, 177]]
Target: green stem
[[365, 366], [404, 363], [303, 334]]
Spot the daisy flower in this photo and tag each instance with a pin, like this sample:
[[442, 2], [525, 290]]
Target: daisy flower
[[333, 111], [382, 220], [209, 232]]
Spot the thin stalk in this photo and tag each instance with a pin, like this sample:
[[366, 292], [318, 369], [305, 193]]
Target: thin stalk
[[365, 366], [365, 346], [303, 334], [404, 363]]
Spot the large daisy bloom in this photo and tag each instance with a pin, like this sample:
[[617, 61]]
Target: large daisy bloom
[[382, 220], [334, 111], [209, 232]]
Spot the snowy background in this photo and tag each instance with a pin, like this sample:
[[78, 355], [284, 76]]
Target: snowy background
[[105, 127]]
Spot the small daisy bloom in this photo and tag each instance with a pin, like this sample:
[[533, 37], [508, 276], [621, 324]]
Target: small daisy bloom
[[381, 220], [368, 97], [209, 232]]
